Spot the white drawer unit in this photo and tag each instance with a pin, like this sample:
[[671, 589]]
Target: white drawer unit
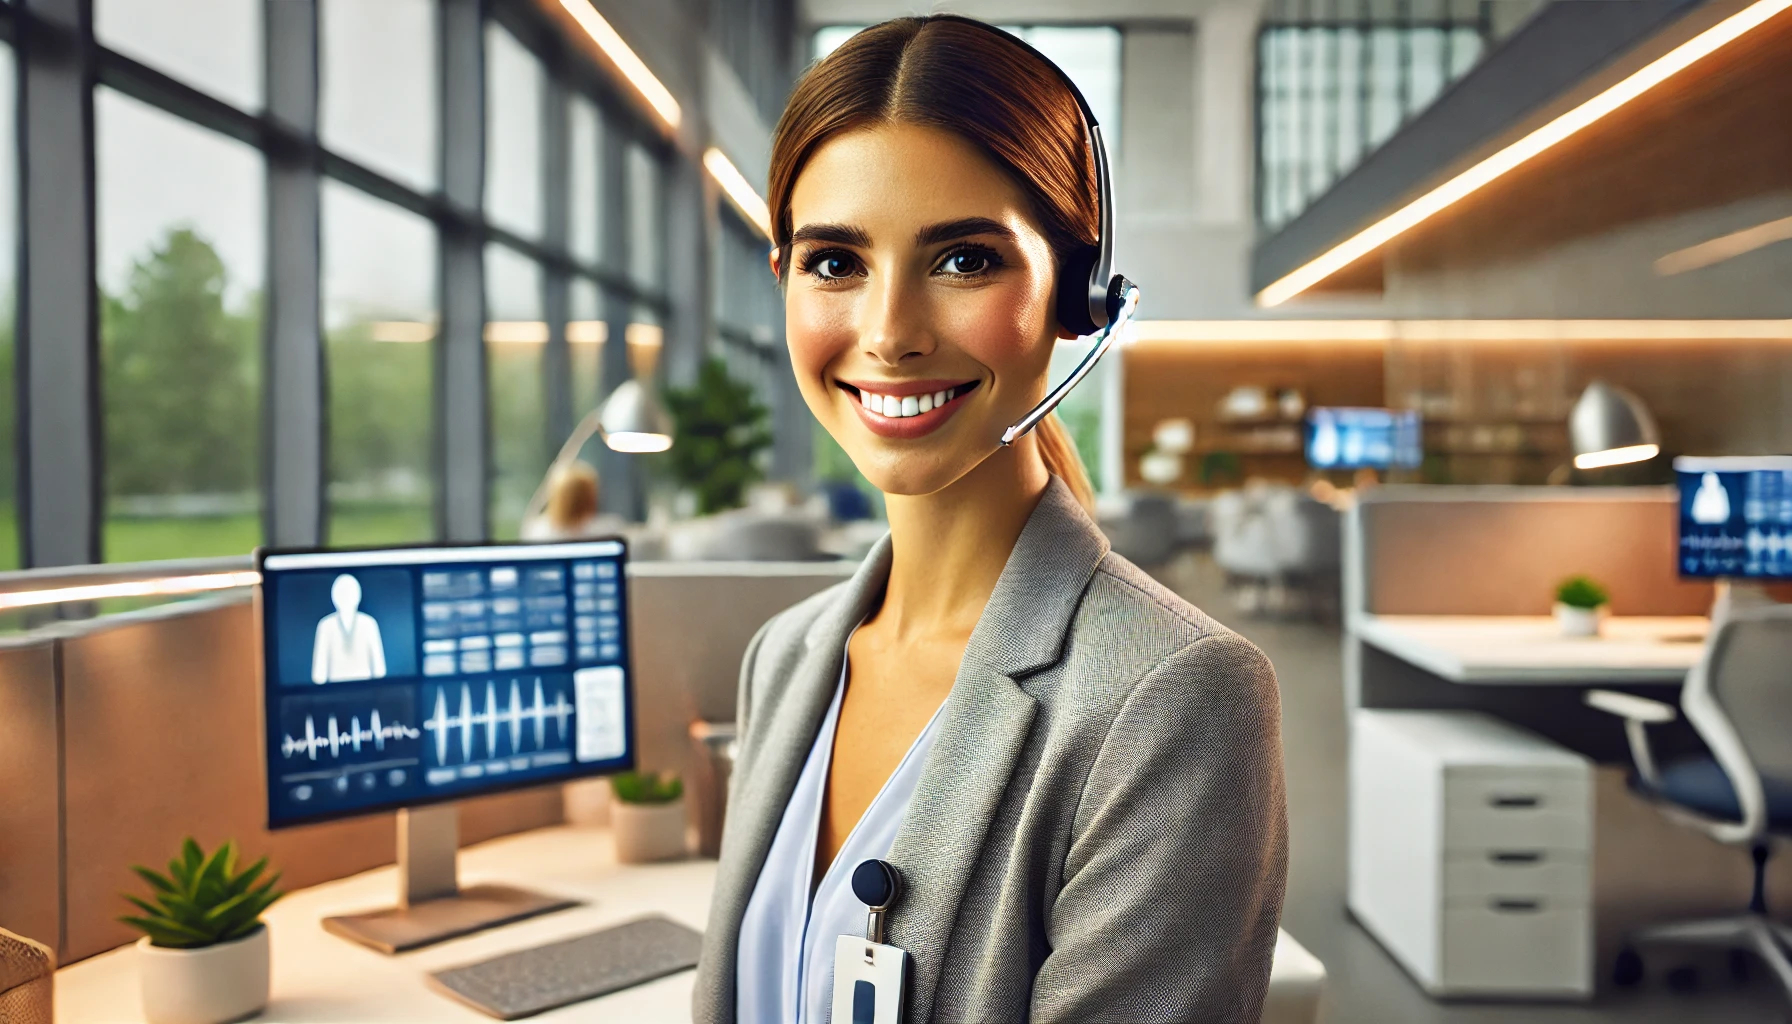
[[1471, 848]]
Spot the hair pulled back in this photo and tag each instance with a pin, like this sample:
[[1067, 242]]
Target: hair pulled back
[[948, 73]]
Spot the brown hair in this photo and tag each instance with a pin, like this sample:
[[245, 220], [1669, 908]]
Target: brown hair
[[572, 496], [948, 73]]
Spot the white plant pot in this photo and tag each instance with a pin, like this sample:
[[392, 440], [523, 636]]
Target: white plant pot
[[648, 832], [210, 985], [1579, 621]]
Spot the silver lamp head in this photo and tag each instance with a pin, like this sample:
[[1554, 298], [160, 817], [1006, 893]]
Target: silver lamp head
[[1610, 426], [633, 420]]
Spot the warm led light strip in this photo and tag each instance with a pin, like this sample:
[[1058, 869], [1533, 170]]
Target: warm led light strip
[[740, 191], [501, 332], [1724, 247], [138, 588], [632, 67], [1549, 135], [1383, 331]]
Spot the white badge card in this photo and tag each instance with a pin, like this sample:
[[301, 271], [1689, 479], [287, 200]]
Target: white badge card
[[868, 981]]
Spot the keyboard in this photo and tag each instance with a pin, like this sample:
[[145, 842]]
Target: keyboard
[[532, 981]]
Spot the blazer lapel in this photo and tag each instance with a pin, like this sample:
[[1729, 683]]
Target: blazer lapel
[[986, 721]]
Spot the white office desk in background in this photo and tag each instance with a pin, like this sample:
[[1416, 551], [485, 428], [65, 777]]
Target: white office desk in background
[[1527, 649], [319, 978]]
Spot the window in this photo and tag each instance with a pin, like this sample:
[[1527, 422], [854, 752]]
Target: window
[[379, 296], [515, 332], [1329, 94], [513, 102], [9, 236], [212, 45], [378, 71], [181, 251], [646, 218], [585, 336], [585, 139]]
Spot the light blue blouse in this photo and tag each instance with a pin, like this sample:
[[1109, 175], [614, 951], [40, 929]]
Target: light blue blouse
[[784, 972]]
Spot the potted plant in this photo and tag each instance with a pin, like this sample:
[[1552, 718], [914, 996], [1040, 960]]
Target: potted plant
[[722, 429], [647, 817], [1580, 604], [203, 957]]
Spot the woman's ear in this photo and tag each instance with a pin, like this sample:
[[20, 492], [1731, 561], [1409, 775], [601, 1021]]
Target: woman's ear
[[776, 264]]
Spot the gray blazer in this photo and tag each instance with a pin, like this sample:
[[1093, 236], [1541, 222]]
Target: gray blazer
[[1099, 833]]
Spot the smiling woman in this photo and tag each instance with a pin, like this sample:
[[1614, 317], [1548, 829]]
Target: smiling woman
[[1072, 775]]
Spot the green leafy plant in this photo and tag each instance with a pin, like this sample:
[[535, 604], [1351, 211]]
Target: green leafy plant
[[203, 899], [721, 429], [1581, 592], [646, 787]]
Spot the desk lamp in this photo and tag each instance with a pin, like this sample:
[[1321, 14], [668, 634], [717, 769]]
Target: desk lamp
[[631, 420], [1610, 426]]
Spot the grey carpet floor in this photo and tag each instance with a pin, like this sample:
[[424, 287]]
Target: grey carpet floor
[[1364, 985]]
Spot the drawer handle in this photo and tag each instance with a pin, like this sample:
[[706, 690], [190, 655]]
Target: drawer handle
[[1516, 856], [1514, 802], [1508, 906]]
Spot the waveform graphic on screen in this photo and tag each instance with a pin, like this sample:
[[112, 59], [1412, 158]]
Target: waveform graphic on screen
[[457, 726], [334, 738]]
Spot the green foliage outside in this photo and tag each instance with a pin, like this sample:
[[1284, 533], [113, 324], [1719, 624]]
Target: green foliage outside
[[721, 431], [646, 787], [1581, 592], [202, 900]]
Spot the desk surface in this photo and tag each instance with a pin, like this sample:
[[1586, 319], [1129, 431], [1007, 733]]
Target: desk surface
[[1526, 649], [320, 978]]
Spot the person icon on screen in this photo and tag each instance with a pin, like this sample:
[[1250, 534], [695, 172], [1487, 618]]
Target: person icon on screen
[[348, 646]]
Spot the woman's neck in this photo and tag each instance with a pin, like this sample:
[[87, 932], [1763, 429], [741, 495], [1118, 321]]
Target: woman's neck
[[948, 548]]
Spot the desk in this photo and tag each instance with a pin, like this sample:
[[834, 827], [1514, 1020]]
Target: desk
[[320, 978], [1526, 649]]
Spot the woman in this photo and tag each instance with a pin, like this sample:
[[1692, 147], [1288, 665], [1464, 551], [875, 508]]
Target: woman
[[1077, 774]]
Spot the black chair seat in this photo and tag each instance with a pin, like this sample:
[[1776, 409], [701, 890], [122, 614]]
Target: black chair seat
[[1699, 784]]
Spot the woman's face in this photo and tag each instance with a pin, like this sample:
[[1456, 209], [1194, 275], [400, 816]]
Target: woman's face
[[918, 304]]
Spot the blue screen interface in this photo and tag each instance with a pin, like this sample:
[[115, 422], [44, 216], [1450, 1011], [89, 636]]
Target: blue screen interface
[[1735, 516], [1341, 437], [409, 676]]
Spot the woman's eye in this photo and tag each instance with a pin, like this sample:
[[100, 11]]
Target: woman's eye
[[832, 267], [968, 263]]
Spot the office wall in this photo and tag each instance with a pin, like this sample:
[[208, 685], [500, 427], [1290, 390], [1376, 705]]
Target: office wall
[[30, 868]]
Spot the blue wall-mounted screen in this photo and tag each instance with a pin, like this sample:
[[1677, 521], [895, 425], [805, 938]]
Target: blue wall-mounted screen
[[414, 675], [1736, 516], [1340, 437]]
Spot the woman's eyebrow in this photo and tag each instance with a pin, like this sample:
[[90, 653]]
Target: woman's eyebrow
[[841, 234], [951, 230]]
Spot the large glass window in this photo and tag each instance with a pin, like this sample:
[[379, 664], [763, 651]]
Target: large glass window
[[586, 333], [646, 218], [378, 70], [379, 293], [515, 333], [1329, 94], [585, 139], [513, 101], [181, 251], [9, 184], [212, 45]]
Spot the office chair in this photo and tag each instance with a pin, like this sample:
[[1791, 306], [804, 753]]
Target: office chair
[[26, 968], [1739, 699]]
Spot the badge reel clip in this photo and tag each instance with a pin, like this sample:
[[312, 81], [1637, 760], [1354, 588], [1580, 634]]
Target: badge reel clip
[[869, 976]]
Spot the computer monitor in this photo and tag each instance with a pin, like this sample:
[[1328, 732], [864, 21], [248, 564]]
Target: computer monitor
[[1735, 516], [1343, 437], [408, 677]]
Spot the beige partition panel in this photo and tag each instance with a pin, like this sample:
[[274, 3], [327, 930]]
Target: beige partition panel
[[163, 740], [30, 860], [1502, 550]]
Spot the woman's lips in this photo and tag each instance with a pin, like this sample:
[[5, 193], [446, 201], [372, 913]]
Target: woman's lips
[[915, 409]]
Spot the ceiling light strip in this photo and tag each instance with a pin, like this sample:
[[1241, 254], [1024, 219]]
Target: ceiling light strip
[[1544, 138], [632, 67], [167, 585], [740, 192]]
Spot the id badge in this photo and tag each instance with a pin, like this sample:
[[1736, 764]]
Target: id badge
[[868, 981]]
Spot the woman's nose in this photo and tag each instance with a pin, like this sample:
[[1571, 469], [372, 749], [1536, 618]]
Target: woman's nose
[[894, 326]]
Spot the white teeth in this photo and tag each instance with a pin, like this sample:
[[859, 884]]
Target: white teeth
[[941, 397], [926, 403], [911, 406]]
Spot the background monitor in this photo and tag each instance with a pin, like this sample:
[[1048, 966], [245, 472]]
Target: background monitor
[[1735, 516], [1341, 437], [409, 676]]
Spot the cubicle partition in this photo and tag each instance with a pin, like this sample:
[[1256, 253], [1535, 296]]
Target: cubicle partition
[[121, 735]]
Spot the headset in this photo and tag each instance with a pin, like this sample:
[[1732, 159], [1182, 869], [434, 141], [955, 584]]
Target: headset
[[1092, 300]]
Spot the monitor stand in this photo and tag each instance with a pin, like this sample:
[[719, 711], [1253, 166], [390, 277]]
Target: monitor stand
[[432, 906]]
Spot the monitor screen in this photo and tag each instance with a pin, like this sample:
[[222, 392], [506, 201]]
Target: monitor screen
[[413, 675], [1736, 516], [1362, 438]]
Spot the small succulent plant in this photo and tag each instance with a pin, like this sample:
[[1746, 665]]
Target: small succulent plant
[[203, 900], [1581, 592], [646, 787]]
